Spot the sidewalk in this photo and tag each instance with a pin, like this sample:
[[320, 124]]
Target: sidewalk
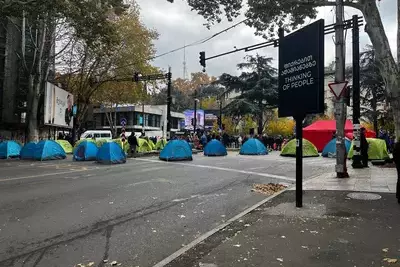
[[333, 228], [372, 179]]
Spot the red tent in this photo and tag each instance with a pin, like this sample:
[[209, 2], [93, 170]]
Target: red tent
[[321, 132]]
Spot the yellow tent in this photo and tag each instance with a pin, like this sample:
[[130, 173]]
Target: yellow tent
[[144, 146], [65, 145]]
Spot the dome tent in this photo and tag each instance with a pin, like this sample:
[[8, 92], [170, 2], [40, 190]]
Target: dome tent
[[253, 147], [9, 149], [330, 148], [66, 146], [161, 144], [28, 150], [377, 150], [143, 146], [77, 143], [215, 148], [85, 151], [48, 150], [110, 153], [309, 150], [176, 150]]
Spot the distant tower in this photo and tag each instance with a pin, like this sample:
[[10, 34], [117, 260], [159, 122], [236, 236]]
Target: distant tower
[[184, 62]]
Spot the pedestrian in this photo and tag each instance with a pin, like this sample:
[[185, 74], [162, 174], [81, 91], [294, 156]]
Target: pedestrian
[[396, 158], [133, 143], [364, 148]]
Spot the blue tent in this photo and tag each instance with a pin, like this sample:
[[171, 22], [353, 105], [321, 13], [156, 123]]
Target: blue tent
[[215, 148], [111, 153], [253, 147], [9, 149], [28, 150], [48, 150], [330, 148], [176, 150], [85, 151]]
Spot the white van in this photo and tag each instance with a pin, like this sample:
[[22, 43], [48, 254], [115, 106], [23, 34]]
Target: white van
[[97, 134]]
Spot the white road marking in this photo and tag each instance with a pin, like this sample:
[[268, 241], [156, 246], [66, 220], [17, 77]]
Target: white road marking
[[203, 237], [146, 182], [43, 175], [224, 169]]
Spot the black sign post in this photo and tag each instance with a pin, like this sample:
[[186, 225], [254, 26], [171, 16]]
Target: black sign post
[[301, 84]]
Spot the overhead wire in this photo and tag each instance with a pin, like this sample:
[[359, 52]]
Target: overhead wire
[[199, 42]]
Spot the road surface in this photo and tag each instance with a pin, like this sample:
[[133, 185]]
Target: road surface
[[63, 213]]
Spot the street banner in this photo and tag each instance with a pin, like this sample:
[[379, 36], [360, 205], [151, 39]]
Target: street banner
[[58, 107]]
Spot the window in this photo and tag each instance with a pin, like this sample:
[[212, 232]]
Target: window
[[23, 117], [96, 135], [105, 135], [158, 121]]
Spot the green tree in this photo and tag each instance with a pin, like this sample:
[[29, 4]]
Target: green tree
[[259, 89], [267, 15], [103, 76], [38, 21], [372, 88]]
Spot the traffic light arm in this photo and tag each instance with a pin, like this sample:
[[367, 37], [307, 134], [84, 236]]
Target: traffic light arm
[[275, 42]]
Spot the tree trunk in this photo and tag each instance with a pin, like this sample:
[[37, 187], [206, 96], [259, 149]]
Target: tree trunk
[[33, 105], [387, 65]]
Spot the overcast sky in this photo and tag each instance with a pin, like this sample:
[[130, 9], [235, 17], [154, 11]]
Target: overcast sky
[[178, 25]]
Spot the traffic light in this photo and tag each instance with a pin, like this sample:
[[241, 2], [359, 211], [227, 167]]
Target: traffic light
[[203, 59], [136, 77]]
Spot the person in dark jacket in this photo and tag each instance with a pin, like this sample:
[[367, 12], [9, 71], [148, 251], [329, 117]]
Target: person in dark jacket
[[133, 143], [364, 148], [396, 158]]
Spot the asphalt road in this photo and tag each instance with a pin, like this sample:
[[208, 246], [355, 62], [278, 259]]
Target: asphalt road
[[63, 213]]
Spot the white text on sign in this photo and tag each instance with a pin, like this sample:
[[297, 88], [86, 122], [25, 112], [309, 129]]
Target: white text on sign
[[304, 78]]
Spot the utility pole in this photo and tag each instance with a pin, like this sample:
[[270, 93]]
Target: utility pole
[[154, 77], [169, 102], [356, 94], [195, 112], [340, 103], [143, 115]]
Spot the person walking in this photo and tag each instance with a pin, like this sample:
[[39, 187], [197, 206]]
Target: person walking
[[396, 158], [364, 148], [133, 143]]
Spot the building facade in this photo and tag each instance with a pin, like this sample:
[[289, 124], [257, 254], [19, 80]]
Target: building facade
[[155, 118]]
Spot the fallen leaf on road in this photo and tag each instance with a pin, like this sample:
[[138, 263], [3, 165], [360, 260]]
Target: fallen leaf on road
[[385, 250], [268, 189], [223, 216], [247, 225], [389, 260], [105, 261], [182, 216], [279, 259], [283, 236], [314, 232], [113, 263], [305, 247], [90, 264], [237, 245]]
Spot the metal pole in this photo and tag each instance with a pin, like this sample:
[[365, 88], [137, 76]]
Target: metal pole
[[195, 112], [299, 161], [220, 114], [340, 104], [356, 94], [169, 101], [143, 115]]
